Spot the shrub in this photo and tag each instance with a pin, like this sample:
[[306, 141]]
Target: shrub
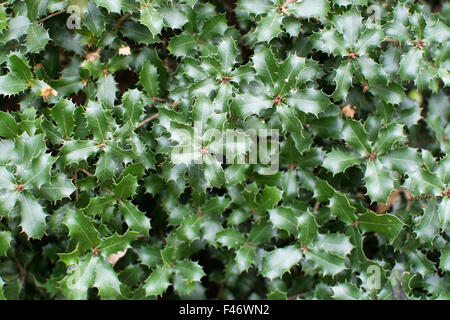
[[131, 162]]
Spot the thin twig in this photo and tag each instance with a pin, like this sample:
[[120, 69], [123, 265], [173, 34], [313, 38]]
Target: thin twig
[[91, 175], [300, 295], [140, 124], [22, 271], [121, 20], [86, 172], [51, 16], [75, 180]]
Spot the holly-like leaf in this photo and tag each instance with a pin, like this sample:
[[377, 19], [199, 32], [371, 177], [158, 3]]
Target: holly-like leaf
[[386, 224], [338, 161], [379, 183], [32, 216], [5, 242], [149, 79], [152, 19], [82, 229], [158, 281], [63, 113], [111, 5], [279, 261], [11, 84], [8, 126], [343, 80], [135, 219], [269, 27], [341, 207], [37, 38], [356, 136], [309, 101], [284, 218]]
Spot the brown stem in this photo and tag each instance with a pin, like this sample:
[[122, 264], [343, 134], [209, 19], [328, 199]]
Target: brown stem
[[51, 16], [22, 271], [300, 295], [121, 20], [140, 124]]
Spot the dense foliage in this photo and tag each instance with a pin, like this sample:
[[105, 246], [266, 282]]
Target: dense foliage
[[96, 94]]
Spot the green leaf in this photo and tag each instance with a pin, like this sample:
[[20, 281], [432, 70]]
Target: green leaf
[[284, 218], [173, 17], [74, 151], [269, 198], [189, 270], [309, 8], [325, 262], [245, 105], [343, 80], [428, 226], [133, 105], [126, 187], [336, 243], [2, 283], [37, 38], [5, 241], [158, 281], [269, 27], [151, 19], [255, 6], [379, 183], [349, 25], [338, 161], [19, 67], [8, 126], [32, 216], [94, 20], [12, 84], [81, 229], [17, 27], [149, 79], [373, 72], [279, 261], [135, 219], [230, 238], [107, 281], [388, 137], [331, 42], [307, 227], [288, 73], [111, 5], [62, 114], [98, 121], [347, 291], [245, 257], [444, 263], [106, 90], [392, 94], [116, 243], [58, 188], [182, 45], [410, 64], [76, 283], [368, 39], [422, 181], [387, 224], [227, 54], [266, 66], [340, 206], [402, 160], [355, 135], [309, 101]]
